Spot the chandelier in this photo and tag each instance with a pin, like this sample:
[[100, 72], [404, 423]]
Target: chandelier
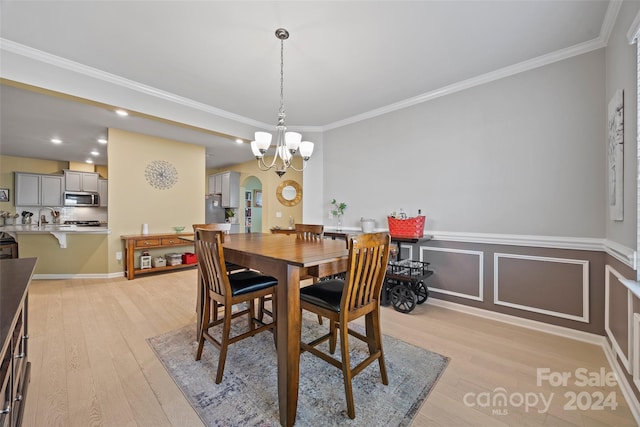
[[287, 143]]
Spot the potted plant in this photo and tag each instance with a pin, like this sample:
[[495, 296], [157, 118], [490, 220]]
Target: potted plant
[[229, 214], [337, 212]]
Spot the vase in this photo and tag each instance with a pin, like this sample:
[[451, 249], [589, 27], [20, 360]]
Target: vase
[[338, 222]]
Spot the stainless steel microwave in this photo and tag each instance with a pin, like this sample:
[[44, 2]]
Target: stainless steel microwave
[[77, 198]]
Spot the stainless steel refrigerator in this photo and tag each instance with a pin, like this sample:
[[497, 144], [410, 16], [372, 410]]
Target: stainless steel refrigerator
[[214, 212]]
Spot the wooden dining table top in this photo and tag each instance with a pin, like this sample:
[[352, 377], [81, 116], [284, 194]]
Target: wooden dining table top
[[282, 247]]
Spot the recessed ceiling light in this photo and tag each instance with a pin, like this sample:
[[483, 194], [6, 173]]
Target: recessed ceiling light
[[56, 140], [102, 140], [122, 113], [88, 161], [95, 153]]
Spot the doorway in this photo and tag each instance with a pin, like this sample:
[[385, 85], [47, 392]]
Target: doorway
[[252, 205]]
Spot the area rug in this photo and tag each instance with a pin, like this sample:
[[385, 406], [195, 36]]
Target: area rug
[[248, 394]]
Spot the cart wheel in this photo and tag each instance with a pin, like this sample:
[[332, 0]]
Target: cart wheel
[[402, 298], [422, 293]]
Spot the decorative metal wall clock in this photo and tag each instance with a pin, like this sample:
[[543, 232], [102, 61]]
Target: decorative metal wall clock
[[161, 174]]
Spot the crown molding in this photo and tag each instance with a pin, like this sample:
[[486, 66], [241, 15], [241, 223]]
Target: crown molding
[[76, 67], [511, 70], [609, 20], [579, 49]]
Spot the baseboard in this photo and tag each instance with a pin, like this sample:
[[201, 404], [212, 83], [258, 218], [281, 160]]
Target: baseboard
[[78, 276], [625, 387], [518, 321]]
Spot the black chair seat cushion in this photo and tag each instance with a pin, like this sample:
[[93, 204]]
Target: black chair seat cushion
[[244, 282], [232, 267], [326, 294]]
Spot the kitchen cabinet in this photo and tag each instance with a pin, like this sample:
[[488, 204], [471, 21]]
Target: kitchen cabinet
[[226, 184], [143, 242], [32, 189], [15, 277], [103, 192], [80, 181]]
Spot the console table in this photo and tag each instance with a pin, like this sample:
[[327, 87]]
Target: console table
[[283, 231], [15, 369], [142, 242]]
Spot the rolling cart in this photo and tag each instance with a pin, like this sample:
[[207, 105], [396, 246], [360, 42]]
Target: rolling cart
[[404, 285]]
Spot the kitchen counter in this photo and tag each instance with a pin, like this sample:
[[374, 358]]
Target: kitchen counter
[[59, 231]]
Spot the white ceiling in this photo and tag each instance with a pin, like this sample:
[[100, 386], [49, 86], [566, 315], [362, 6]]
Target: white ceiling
[[344, 59]]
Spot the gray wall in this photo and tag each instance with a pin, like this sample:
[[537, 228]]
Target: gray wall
[[621, 74], [521, 155]]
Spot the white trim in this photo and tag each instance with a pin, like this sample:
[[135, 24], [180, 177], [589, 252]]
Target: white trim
[[636, 350], [609, 20], [634, 29], [511, 70], [585, 286], [519, 321], [621, 377], [85, 70], [626, 359], [622, 253], [556, 242], [78, 276], [633, 286], [480, 296], [410, 247]]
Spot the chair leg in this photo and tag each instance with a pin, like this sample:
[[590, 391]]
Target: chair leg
[[381, 362], [204, 320], [334, 336], [224, 342], [252, 312], [374, 338], [346, 370], [261, 310]]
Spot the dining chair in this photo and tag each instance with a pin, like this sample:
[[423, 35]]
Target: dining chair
[[342, 301], [310, 231], [307, 232], [227, 290], [225, 227]]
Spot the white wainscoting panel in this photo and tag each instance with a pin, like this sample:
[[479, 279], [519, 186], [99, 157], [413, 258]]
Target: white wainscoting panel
[[625, 358], [585, 286], [479, 254]]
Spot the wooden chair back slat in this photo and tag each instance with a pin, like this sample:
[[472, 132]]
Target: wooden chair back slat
[[309, 231], [211, 263], [368, 257]]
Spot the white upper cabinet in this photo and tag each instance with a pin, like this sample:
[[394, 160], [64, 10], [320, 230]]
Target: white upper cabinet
[[34, 189], [80, 181]]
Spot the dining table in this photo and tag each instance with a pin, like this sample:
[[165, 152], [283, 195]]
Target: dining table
[[287, 259]]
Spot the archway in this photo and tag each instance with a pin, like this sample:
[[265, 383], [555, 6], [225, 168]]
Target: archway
[[251, 190]]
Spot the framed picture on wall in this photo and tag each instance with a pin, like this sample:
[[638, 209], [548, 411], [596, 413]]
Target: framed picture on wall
[[257, 198], [4, 194]]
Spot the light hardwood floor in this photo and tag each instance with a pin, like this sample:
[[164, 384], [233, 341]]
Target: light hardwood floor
[[92, 366]]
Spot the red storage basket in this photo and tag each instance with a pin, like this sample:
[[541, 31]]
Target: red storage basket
[[412, 228], [189, 258]]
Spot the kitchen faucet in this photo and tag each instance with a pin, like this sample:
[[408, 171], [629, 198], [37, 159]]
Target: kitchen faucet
[[41, 218]]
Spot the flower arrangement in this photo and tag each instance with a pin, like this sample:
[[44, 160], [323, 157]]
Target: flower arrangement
[[338, 208]]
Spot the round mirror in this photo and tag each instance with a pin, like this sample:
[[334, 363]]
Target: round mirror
[[289, 193]]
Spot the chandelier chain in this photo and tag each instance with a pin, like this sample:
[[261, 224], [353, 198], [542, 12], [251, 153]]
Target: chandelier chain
[[282, 77]]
